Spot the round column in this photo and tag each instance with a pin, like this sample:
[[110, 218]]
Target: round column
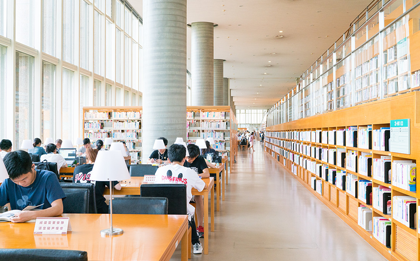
[[218, 82], [202, 55], [225, 91], [165, 68]]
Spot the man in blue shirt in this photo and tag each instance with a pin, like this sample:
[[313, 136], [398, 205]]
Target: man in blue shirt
[[29, 187]]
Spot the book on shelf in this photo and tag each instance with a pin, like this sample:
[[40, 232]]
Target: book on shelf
[[341, 179], [332, 137], [351, 137], [332, 173], [382, 230], [364, 218], [351, 184], [365, 137], [324, 155], [341, 137], [325, 172], [365, 191], [404, 210], [365, 164], [341, 158], [381, 197], [332, 156], [324, 137], [351, 160], [382, 169], [97, 115], [380, 139], [318, 170], [313, 183], [319, 187], [404, 174]]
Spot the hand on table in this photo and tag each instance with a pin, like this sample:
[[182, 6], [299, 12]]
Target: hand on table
[[23, 216]]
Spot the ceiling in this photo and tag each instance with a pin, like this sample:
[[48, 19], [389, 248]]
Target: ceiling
[[247, 38]]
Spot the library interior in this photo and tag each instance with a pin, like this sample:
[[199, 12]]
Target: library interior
[[209, 130]]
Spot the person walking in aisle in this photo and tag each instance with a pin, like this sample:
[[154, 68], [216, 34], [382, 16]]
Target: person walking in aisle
[[251, 141]]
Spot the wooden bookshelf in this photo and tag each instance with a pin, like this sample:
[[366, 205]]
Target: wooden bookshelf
[[286, 144]]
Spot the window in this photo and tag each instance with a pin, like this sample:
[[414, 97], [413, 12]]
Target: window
[[119, 57], [109, 9], [100, 4], [119, 98], [25, 79], [85, 94], [4, 18], [110, 50], [48, 101], [97, 94], [126, 98], [69, 28], [108, 95], [140, 33], [133, 99], [99, 43], [49, 20], [127, 68], [140, 70], [85, 35], [68, 111], [127, 17], [135, 28], [119, 13], [3, 56], [135, 66], [25, 21]]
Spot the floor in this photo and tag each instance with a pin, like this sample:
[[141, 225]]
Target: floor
[[269, 215]]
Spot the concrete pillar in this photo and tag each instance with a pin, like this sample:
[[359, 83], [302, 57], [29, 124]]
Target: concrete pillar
[[165, 67], [226, 91], [218, 82], [202, 55]]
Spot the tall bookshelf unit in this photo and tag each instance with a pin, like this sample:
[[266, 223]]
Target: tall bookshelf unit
[[312, 150], [217, 122], [118, 123]]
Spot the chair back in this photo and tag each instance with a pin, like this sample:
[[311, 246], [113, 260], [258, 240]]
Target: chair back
[[45, 165], [175, 193], [83, 186], [140, 205], [77, 200], [35, 157], [139, 170], [43, 254]]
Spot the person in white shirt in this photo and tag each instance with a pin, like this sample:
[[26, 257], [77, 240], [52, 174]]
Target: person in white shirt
[[52, 156], [176, 154], [5, 147]]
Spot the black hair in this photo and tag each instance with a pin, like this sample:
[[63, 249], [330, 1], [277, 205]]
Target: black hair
[[165, 141], [193, 150], [5, 144], [123, 142], [99, 144], [86, 141], [36, 142], [207, 150], [50, 148], [176, 153], [59, 141], [17, 163]]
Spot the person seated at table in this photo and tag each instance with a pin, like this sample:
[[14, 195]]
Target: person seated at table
[[199, 165], [5, 147], [81, 174], [190, 178], [29, 187], [53, 156], [127, 156], [37, 150], [86, 145], [159, 156], [208, 150], [58, 143], [99, 145]]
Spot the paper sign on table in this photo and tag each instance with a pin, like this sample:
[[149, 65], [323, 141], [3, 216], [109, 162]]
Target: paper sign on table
[[52, 225]]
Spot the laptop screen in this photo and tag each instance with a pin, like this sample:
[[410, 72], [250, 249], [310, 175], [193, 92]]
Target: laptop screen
[[68, 154]]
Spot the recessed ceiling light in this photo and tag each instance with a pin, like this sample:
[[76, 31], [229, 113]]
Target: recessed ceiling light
[[265, 73], [260, 84], [253, 103], [269, 61], [273, 53], [280, 31], [257, 93]]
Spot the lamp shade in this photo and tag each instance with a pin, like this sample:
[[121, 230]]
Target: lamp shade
[[3, 171], [79, 141], [179, 140], [26, 145], [108, 141], [109, 166], [211, 141], [201, 144], [159, 145], [67, 144], [118, 146], [48, 141]]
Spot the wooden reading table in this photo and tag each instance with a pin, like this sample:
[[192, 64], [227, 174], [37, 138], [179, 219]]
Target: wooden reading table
[[146, 237], [132, 187]]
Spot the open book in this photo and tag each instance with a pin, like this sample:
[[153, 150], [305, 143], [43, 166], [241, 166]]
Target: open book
[[6, 216]]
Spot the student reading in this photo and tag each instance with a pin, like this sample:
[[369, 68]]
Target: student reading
[[52, 156], [5, 147], [82, 175], [159, 155], [29, 187], [190, 178]]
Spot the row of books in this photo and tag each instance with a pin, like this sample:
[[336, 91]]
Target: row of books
[[217, 135], [193, 124], [381, 196], [404, 174], [404, 210], [367, 94], [220, 125], [134, 125], [126, 115], [128, 135], [97, 135], [366, 67], [214, 115], [364, 217], [96, 125], [382, 230]]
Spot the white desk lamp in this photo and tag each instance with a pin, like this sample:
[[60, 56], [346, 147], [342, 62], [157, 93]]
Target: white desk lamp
[[108, 141], [48, 141], [201, 143], [179, 140], [110, 166], [67, 144], [118, 146], [3, 171], [211, 141], [27, 145]]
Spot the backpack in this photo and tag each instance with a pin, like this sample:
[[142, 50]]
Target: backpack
[[49, 166]]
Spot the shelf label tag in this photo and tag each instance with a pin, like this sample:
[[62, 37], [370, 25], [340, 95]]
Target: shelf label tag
[[400, 136]]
